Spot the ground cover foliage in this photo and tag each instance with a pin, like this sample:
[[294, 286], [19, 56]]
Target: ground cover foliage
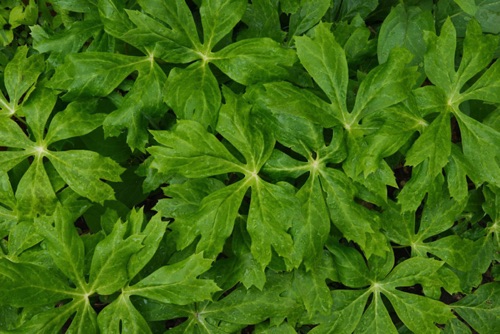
[[264, 166]]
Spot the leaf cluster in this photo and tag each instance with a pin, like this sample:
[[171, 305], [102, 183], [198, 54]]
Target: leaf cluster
[[264, 166]]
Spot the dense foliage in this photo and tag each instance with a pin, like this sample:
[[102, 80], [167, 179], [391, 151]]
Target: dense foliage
[[263, 166]]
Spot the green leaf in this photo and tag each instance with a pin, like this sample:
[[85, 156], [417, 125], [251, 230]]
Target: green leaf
[[439, 58], [325, 60], [35, 194], [415, 189], [456, 326], [474, 135], [262, 19], [395, 125], [20, 75], [30, 284], [114, 18], [311, 233], [74, 121], [308, 15], [404, 27], [94, 73], [85, 320], [64, 42], [191, 151], [108, 271], [467, 6], [349, 9], [121, 316], [478, 52], [254, 60], [353, 220], [434, 145], [253, 306], [385, 85], [47, 322], [273, 210], [456, 251], [153, 231], [84, 170], [65, 246], [350, 265], [177, 283], [486, 87], [376, 319], [311, 285], [481, 308], [27, 14], [10, 159], [193, 94], [150, 35], [38, 109], [185, 198], [283, 98], [176, 15], [22, 237], [345, 314], [13, 136], [142, 102], [418, 313], [218, 18], [214, 220], [412, 271], [236, 124]]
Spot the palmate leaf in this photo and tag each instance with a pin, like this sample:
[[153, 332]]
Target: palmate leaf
[[438, 215], [446, 98], [325, 60], [115, 261], [182, 153], [169, 33], [418, 313], [82, 170], [97, 74], [325, 185], [233, 312]]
